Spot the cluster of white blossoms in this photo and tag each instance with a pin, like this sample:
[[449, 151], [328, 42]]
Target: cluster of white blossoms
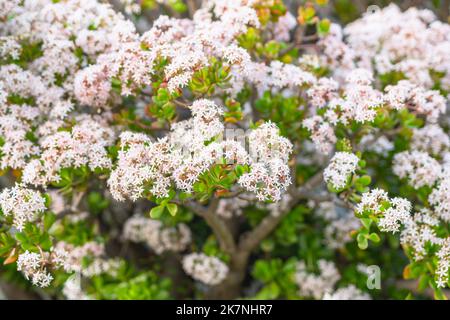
[[9, 48], [322, 284], [419, 234], [206, 269], [322, 133], [91, 251], [72, 289], [37, 98], [316, 285], [340, 169], [23, 204], [340, 223], [132, 7], [378, 144], [361, 102], [187, 46], [349, 292], [440, 196], [270, 174], [398, 212], [379, 43], [187, 152], [155, 235], [139, 162], [34, 266], [389, 40], [422, 168], [228, 208], [84, 145], [418, 229], [443, 268], [391, 218], [432, 139], [417, 167], [416, 99]]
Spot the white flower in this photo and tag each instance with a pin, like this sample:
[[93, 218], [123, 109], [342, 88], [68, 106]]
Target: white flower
[[395, 215], [418, 167], [155, 235], [349, 292], [207, 269], [22, 203], [316, 285], [341, 166]]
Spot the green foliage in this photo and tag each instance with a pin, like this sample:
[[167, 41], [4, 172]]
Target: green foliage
[[276, 277], [208, 79], [285, 112], [131, 285]]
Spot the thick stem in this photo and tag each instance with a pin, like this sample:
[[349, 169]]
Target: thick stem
[[231, 287], [219, 227], [252, 239]]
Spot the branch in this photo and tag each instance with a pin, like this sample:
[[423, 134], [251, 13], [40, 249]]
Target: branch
[[250, 240], [192, 7], [219, 227]]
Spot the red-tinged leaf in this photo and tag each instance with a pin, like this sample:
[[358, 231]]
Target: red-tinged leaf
[[12, 257]]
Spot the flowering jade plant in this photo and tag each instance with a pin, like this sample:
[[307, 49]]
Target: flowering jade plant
[[229, 149]]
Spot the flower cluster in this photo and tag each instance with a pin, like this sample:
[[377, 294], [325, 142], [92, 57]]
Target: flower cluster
[[34, 266], [340, 169], [92, 252], [155, 235], [180, 158], [23, 204], [322, 285], [388, 40], [347, 293], [207, 269], [404, 94], [340, 223], [418, 167], [440, 196], [392, 212], [432, 139], [316, 285], [419, 230], [84, 145]]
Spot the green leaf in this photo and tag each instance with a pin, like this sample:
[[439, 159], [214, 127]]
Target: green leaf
[[156, 212], [362, 241], [323, 27], [49, 219], [361, 163], [439, 295], [364, 180], [306, 14], [173, 208], [45, 242], [374, 237], [424, 280], [366, 223], [21, 237]]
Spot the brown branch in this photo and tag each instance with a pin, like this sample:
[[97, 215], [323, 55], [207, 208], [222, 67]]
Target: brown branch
[[192, 7], [219, 227], [251, 240]]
